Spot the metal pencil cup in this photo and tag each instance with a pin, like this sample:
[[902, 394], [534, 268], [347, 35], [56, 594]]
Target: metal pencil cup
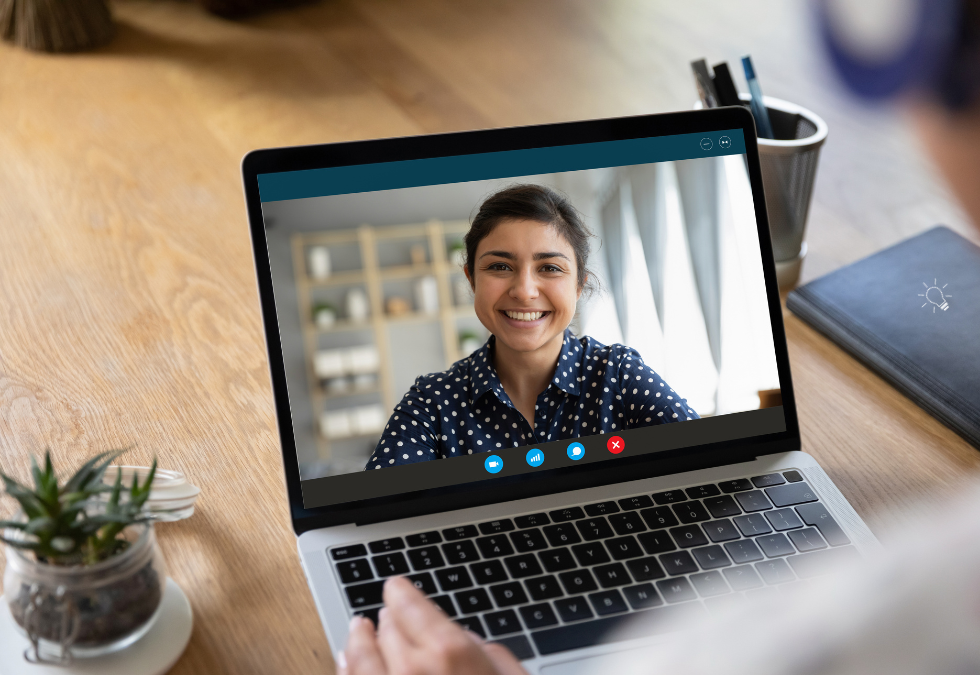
[[789, 169]]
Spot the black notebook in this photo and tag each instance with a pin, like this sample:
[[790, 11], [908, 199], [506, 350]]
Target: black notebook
[[912, 314]]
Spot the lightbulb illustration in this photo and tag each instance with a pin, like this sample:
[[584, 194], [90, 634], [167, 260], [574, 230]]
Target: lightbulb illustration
[[934, 296]]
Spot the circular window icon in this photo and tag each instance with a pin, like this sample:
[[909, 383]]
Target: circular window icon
[[615, 445], [535, 457], [725, 142], [493, 464], [706, 144], [576, 451]]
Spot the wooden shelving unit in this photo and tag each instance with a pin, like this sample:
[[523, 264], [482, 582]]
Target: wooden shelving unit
[[371, 276]]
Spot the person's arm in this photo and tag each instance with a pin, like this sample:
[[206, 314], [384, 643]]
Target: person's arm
[[411, 435], [647, 399]]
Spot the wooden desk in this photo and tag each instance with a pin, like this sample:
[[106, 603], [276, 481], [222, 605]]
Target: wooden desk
[[129, 306]]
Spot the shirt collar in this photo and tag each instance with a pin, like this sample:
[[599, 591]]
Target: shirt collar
[[567, 376]]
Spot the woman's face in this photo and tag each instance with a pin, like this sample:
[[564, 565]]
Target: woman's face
[[525, 284]]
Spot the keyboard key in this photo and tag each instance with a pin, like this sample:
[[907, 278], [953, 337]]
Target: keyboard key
[[722, 507], [347, 552], [543, 588], [562, 535], [742, 578], [775, 571], [656, 542], [807, 540], [676, 590], [497, 526], [454, 578], [578, 581], [659, 518], [814, 564], [365, 595], [627, 523], [737, 485], [634, 503], [753, 501], [708, 584], [646, 569], [460, 552], [608, 602], [680, 562], [488, 572], [603, 631], [445, 603], [461, 532], [753, 524], [817, 514], [691, 512], [389, 564], [494, 547], [702, 491], [538, 616], [612, 575], [743, 551], [624, 548], [528, 540], [669, 497], [423, 582], [518, 645], [592, 529], [793, 476], [721, 530], [642, 596], [423, 539], [711, 557], [775, 545], [768, 480], [473, 600], [593, 553], [472, 624], [521, 566], [564, 515], [386, 545], [354, 570], [501, 623], [794, 493], [557, 560], [371, 614], [532, 520], [689, 535], [784, 519], [511, 593], [573, 609], [426, 558], [601, 509]]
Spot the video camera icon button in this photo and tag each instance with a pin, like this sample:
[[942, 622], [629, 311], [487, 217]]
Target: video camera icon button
[[576, 451], [535, 457], [615, 445], [493, 464]]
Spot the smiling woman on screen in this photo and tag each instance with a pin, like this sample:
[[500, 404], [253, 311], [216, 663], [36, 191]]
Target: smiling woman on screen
[[533, 381]]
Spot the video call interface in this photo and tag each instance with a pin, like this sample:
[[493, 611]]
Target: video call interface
[[460, 319]]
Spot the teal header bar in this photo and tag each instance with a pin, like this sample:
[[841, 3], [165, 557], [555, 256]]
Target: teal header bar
[[274, 187]]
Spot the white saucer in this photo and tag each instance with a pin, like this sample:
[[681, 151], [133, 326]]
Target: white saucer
[[152, 654]]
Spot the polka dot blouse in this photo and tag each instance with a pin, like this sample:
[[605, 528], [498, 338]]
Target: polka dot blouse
[[596, 389]]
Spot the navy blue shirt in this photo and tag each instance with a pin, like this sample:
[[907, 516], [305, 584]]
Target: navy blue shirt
[[595, 390]]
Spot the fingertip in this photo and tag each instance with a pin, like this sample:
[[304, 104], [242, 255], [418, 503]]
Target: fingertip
[[342, 660]]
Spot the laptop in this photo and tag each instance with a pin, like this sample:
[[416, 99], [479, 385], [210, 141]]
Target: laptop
[[544, 543]]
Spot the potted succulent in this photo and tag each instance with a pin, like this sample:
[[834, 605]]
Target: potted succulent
[[84, 575]]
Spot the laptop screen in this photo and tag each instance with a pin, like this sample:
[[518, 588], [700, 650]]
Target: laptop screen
[[467, 318]]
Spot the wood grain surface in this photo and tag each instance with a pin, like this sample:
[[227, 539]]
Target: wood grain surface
[[130, 315]]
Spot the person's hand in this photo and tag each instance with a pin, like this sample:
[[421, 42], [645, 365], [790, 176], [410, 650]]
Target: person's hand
[[415, 637]]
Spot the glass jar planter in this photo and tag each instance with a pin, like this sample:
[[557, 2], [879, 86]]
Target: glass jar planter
[[87, 610]]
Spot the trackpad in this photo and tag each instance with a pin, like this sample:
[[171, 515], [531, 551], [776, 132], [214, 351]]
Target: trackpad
[[590, 665]]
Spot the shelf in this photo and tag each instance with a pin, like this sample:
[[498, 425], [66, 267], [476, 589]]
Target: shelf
[[339, 279], [405, 271], [464, 310], [345, 326], [333, 395], [412, 317]]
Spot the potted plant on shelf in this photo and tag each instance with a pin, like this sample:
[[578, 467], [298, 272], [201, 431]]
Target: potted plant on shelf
[[84, 575]]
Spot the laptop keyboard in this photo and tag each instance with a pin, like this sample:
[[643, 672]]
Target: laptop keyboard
[[543, 583]]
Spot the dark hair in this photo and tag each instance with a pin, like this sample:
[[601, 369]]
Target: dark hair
[[538, 203]]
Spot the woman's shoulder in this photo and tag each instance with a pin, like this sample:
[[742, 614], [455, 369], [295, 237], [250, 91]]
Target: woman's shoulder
[[455, 374], [616, 352]]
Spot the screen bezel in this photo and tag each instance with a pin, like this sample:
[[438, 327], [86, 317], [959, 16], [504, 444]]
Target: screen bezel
[[545, 482]]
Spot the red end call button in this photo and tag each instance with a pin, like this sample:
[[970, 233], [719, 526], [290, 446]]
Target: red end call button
[[615, 445]]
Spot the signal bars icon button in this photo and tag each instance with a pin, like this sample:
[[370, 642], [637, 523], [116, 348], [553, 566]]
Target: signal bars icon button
[[535, 457]]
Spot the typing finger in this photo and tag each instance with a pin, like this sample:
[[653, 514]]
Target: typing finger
[[362, 655], [395, 647], [416, 617], [504, 662]]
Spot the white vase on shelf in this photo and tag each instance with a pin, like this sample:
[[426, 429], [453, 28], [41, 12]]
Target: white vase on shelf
[[318, 262], [357, 305]]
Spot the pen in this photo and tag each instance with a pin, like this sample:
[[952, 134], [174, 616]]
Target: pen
[[759, 111], [706, 89], [724, 86]]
